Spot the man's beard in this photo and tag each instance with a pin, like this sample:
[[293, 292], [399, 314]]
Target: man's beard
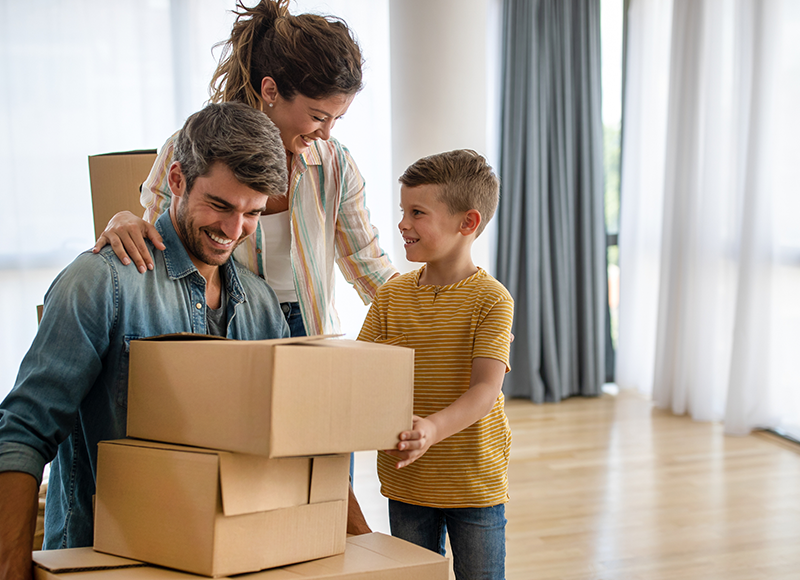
[[193, 239]]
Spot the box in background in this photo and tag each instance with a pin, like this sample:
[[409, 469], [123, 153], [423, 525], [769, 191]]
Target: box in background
[[115, 180], [368, 557], [278, 398], [217, 513]]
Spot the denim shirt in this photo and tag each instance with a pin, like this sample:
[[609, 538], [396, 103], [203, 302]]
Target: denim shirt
[[72, 387]]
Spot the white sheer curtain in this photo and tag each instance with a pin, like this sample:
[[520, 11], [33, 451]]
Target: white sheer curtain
[[710, 226], [80, 77]]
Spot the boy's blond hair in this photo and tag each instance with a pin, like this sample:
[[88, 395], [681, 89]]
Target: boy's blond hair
[[466, 181]]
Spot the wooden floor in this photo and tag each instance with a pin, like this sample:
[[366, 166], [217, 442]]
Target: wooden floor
[[612, 488]]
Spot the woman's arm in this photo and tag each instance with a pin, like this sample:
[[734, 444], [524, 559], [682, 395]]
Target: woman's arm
[[360, 257]]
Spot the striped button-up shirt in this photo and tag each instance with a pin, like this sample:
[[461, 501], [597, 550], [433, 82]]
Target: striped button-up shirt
[[329, 225]]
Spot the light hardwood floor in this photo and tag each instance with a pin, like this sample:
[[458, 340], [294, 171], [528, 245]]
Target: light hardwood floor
[[611, 488]]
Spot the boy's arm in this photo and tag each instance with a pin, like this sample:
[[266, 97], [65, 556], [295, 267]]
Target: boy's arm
[[18, 506], [486, 381]]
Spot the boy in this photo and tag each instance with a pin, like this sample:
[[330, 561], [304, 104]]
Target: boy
[[449, 473]]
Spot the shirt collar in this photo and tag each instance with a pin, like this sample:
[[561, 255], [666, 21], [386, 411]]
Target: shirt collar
[[311, 155]]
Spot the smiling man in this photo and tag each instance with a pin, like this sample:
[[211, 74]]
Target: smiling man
[[71, 390]]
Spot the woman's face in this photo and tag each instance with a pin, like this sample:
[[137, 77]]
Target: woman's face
[[304, 120]]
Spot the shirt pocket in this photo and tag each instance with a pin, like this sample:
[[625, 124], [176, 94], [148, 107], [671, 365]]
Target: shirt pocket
[[122, 371], [397, 340]]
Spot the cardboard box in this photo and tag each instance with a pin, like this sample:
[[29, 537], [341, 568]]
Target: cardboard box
[[278, 398], [217, 513], [368, 557], [116, 179]]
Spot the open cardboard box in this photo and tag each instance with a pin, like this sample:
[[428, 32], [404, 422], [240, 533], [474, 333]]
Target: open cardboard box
[[368, 557], [116, 179], [279, 398], [217, 513]]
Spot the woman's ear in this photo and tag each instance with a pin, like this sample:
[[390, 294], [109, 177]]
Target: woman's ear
[[269, 91], [470, 222]]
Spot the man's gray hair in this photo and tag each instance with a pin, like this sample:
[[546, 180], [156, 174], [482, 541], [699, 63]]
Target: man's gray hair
[[242, 138]]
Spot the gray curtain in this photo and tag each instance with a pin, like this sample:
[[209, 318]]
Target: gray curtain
[[552, 243]]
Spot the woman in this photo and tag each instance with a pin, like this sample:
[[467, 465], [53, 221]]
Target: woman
[[303, 72]]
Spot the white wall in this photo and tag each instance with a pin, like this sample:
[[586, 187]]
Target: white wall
[[441, 90]]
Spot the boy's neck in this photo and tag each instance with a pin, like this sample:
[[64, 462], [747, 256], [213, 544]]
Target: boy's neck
[[447, 272]]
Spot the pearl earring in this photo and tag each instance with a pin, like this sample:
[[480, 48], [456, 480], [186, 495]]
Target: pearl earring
[[270, 105]]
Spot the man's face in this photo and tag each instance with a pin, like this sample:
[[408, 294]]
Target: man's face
[[216, 215]]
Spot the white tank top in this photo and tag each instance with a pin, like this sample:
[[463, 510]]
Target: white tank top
[[277, 255]]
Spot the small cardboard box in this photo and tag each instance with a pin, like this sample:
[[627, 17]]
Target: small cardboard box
[[278, 398], [368, 557], [217, 513], [116, 179]]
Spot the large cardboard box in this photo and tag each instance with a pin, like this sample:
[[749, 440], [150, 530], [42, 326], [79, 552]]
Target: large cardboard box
[[368, 557], [217, 513], [279, 398], [115, 179]]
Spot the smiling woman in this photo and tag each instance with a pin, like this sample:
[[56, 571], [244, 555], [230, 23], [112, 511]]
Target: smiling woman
[[303, 72]]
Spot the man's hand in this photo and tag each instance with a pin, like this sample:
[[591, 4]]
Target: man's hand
[[18, 506], [413, 444]]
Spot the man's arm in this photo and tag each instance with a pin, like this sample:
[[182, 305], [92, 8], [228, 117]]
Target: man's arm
[[18, 507], [486, 381]]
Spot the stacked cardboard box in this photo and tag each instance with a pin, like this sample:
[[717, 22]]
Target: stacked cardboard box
[[116, 179], [368, 557], [300, 410], [239, 457]]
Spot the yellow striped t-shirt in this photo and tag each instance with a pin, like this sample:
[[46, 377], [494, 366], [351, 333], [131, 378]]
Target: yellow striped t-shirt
[[447, 326]]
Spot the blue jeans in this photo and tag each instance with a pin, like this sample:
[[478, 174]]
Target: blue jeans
[[477, 536], [291, 310]]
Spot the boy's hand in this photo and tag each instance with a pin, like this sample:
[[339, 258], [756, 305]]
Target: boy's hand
[[413, 444]]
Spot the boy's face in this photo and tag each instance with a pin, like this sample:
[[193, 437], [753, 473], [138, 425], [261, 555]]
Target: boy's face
[[430, 232]]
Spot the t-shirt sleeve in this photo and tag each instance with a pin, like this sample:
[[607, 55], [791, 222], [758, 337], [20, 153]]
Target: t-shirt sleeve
[[493, 335]]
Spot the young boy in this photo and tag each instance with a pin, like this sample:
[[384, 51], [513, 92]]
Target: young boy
[[449, 473]]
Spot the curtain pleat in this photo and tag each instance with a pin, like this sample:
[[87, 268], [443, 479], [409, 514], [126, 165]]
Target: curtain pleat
[[551, 246]]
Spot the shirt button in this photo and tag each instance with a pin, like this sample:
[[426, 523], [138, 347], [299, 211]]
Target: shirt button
[[199, 306], [258, 250]]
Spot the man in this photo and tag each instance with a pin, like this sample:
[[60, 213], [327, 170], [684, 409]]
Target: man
[[71, 390]]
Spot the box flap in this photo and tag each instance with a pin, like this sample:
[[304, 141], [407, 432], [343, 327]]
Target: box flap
[[132, 442], [376, 555], [330, 478], [134, 152], [79, 560], [339, 342], [183, 336], [189, 336], [285, 482], [395, 548]]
